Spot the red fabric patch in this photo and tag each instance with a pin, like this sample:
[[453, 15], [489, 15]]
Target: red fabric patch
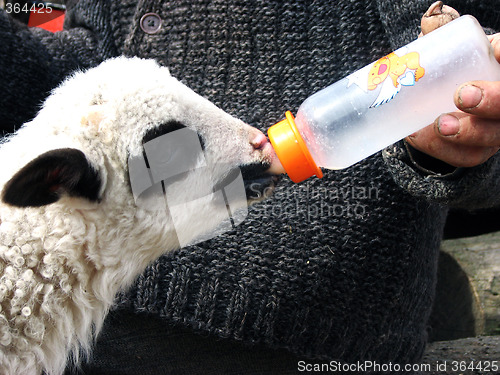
[[52, 21]]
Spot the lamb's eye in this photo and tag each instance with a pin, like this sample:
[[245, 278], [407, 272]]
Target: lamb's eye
[[166, 128], [162, 129], [171, 151]]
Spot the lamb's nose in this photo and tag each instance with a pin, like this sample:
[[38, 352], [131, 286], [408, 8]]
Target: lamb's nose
[[260, 143], [257, 139]]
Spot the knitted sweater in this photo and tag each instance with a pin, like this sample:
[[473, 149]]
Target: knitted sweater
[[339, 268]]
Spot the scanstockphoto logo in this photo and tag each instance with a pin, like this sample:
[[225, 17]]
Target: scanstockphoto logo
[[177, 159]]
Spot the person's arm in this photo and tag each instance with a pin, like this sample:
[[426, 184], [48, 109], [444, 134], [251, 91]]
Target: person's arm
[[33, 61]]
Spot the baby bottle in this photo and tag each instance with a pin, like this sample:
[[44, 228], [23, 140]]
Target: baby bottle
[[384, 101]]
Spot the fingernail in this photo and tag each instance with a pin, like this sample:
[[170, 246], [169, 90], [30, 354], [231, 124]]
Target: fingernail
[[469, 97], [448, 125]]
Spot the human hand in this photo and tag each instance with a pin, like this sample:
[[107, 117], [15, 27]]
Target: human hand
[[467, 138], [471, 136]]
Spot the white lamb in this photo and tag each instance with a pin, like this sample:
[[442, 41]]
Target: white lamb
[[71, 232]]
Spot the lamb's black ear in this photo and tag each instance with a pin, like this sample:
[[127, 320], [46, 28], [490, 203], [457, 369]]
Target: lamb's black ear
[[51, 175]]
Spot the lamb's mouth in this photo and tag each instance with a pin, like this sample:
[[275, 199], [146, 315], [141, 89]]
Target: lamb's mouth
[[258, 181], [260, 178]]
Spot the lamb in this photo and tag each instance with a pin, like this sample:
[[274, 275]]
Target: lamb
[[75, 228]]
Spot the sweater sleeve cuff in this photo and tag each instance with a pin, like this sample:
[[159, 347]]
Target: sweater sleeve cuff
[[428, 165], [469, 188]]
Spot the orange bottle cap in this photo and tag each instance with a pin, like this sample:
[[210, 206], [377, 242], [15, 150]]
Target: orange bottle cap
[[292, 150]]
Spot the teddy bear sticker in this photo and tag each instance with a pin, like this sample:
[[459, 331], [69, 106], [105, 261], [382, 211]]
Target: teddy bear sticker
[[390, 73]]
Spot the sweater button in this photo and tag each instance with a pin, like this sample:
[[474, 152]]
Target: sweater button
[[150, 23]]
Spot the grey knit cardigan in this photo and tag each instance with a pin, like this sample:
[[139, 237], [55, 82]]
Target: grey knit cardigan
[[338, 268]]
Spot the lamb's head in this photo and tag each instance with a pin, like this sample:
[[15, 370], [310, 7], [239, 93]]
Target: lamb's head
[[126, 138], [122, 164]]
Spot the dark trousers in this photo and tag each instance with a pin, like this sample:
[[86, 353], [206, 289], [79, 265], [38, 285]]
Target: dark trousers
[[139, 344]]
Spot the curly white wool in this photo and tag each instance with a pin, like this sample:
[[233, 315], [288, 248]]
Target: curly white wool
[[35, 282]]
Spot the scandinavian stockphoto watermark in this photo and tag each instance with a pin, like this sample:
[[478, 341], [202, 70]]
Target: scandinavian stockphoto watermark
[[312, 202], [178, 159]]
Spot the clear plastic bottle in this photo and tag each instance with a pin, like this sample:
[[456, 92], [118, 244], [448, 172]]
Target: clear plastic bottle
[[384, 101]]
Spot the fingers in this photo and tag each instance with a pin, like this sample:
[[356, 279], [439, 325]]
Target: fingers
[[458, 139], [462, 129], [467, 138], [480, 98], [436, 16]]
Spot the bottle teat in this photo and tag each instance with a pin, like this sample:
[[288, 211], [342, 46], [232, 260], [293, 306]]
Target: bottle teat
[[292, 150]]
